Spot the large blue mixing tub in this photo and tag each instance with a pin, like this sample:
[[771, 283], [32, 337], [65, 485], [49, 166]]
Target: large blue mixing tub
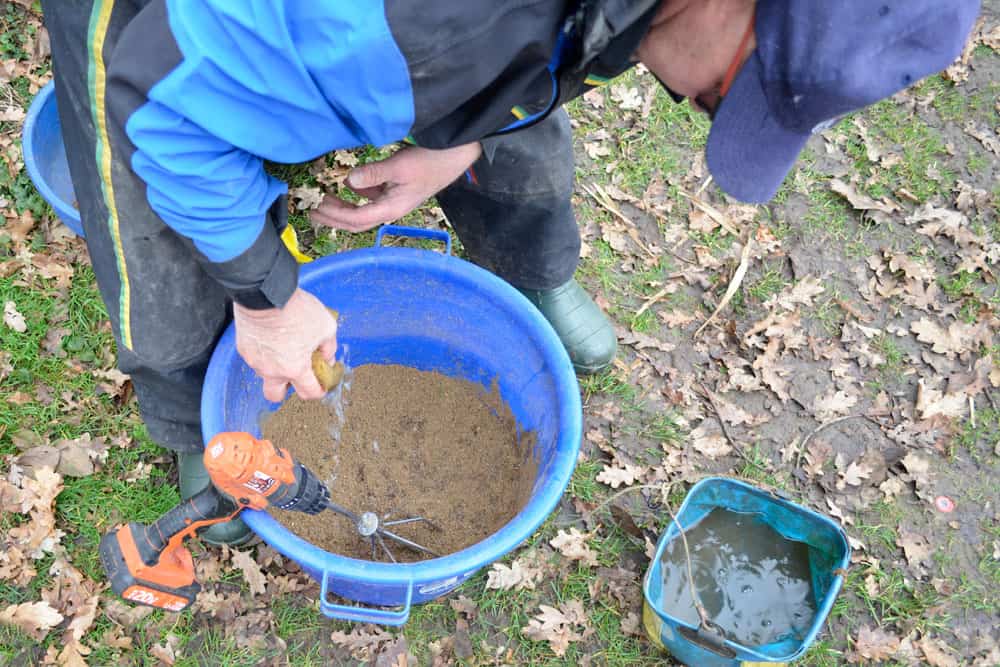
[[45, 157], [430, 311]]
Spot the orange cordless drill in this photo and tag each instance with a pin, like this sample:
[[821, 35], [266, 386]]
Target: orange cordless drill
[[149, 564]]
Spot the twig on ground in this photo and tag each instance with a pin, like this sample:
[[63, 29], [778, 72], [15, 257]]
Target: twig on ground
[[989, 397], [604, 199], [734, 284], [715, 214], [705, 184], [659, 295], [805, 441]]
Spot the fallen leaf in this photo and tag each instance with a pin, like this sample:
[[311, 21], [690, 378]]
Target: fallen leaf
[[988, 139], [873, 645], [33, 618], [518, 575], [596, 150], [959, 337], [631, 625], [464, 605], [710, 444], [735, 415], [853, 474], [306, 198], [555, 627], [13, 318], [801, 293], [936, 652], [615, 476], [364, 641], [933, 402], [892, 487], [573, 545], [861, 201], [628, 98], [17, 229], [83, 618], [166, 652], [676, 318], [915, 547], [73, 655], [251, 571], [838, 513], [833, 404]]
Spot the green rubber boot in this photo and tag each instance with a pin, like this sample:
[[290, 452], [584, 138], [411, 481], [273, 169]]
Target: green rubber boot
[[583, 329], [193, 478]]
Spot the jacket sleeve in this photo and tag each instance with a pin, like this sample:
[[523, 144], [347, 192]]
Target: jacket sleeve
[[204, 92]]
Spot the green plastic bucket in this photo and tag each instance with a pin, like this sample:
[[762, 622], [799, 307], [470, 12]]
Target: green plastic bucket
[[829, 555]]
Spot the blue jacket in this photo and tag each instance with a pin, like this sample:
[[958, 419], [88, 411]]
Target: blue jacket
[[206, 90]]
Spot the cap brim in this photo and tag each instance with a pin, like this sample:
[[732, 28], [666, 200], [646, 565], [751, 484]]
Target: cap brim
[[749, 153]]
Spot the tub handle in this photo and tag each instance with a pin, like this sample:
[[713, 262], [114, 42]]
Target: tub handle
[[708, 640], [414, 232], [362, 614]]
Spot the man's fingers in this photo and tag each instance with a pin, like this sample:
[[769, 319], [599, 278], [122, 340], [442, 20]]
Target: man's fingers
[[362, 218], [370, 175], [308, 387], [275, 390]]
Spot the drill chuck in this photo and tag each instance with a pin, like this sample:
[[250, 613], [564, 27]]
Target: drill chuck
[[308, 494]]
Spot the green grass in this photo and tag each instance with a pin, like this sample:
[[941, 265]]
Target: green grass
[[770, 283], [828, 214], [584, 484], [608, 382], [921, 147]]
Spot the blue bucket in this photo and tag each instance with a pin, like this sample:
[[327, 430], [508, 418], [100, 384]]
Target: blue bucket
[[45, 157], [434, 312], [829, 556]]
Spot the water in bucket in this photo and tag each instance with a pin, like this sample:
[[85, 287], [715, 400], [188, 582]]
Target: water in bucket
[[755, 585], [767, 570]]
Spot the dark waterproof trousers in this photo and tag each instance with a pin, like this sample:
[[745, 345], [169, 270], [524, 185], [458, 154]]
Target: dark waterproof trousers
[[512, 213]]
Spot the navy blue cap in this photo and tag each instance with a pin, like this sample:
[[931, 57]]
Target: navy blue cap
[[815, 61]]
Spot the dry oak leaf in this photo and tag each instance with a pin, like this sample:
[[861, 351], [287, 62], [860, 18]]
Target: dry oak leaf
[[737, 416], [710, 444], [801, 293], [615, 476], [553, 626], [833, 404], [166, 652], [33, 618], [937, 652], [873, 645], [915, 547], [72, 655], [676, 318], [306, 198], [13, 318], [364, 642], [852, 474], [861, 201], [518, 575], [573, 545], [251, 571], [959, 337], [932, 402]]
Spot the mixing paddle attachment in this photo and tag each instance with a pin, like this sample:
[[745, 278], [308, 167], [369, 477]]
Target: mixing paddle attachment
[[371, 527]]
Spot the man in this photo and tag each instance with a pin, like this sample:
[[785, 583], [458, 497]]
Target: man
[[169, 108]]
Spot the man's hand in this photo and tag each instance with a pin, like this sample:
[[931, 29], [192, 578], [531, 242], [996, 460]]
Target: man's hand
[[278, 343], [395, 186]]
